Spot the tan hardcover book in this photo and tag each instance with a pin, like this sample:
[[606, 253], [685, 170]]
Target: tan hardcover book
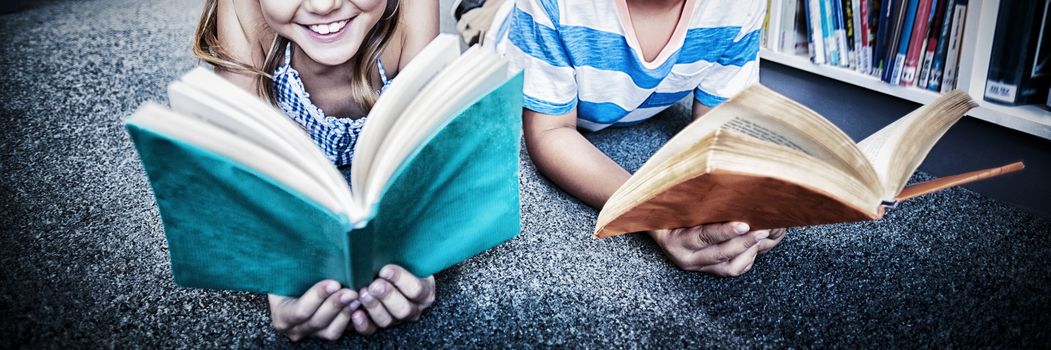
[[766, 160]]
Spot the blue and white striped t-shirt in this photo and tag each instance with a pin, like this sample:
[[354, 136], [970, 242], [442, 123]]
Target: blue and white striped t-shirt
[[584, 54]]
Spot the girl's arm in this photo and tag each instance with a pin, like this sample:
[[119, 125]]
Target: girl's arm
[[243, 36], [417, 26]]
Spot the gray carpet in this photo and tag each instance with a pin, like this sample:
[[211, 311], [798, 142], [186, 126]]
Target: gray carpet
[[84, 261]]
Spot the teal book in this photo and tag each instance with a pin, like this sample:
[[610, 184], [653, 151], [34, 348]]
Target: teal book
[[249, 203]]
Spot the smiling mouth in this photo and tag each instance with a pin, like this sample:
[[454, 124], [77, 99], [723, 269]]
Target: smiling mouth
[[328, 28]]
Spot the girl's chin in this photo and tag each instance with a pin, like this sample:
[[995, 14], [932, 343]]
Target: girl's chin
[[330, 55]]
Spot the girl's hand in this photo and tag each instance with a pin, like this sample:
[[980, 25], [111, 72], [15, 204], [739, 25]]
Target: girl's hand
[[323, 312], [726, 249], [395, 297]]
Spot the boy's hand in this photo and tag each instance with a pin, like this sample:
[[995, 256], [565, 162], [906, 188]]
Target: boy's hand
[[395, 297], [323, 312], [726, 249]]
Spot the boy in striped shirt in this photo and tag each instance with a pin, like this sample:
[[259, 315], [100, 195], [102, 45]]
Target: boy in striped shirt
[[596, 64]]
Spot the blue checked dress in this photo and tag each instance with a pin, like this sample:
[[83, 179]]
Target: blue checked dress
[[335, 136]]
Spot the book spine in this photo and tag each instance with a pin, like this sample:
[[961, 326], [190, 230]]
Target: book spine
[[879, 52], [1018, 67], [774, 38], [938, 64], [787, 37], [916, 44], [763, 37], [842, 45], [828, 29], [952, 57], [815, 37], [851, 30], [903, 45], [860, 35], [933, 30], [893, 38]]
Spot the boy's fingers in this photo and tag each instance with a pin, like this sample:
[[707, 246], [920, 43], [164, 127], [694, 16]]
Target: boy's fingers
[[300, 310], [362, 323], [742, 263], [713, 234], [377, 313], [327, 312], [410, 286], [728, 250], [734, 267], [335, 329], [399, 307]]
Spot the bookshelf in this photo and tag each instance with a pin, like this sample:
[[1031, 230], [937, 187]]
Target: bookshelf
[[974, 63]]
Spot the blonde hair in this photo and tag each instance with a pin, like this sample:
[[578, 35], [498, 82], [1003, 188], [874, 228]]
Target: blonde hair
[[206, 47]]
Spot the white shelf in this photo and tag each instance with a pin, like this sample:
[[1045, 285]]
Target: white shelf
[[1030, 119]]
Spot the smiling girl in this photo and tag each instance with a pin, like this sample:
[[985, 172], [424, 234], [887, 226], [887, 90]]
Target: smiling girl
[[324, 63]]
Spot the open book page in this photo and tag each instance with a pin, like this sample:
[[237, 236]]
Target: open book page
[[212, 99], [434, 58], [197, 132], [898, 149], [476, 72], [764, 114]]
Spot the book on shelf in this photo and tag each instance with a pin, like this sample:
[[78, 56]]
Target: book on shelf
[[916, 43], [1019, 64], [828, 28], [850, 28], [816, 37], [898, 68], [842, 39], [952, 55], [248, 202], [884, 14], [931, 45], [944, 33], [893, 38], [766, 160]]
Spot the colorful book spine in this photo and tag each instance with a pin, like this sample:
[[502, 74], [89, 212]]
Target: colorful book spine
[[839, 26], [927, 57], [829, 30], [938, 63], [903, 43], [952, 57], [850, 28], [816, 38], [861, 35], [916, 43]]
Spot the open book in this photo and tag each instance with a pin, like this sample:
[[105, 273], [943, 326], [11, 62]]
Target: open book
[[250, 203], [763, 159]]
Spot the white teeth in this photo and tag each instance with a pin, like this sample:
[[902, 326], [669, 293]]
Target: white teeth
[[324, 29]]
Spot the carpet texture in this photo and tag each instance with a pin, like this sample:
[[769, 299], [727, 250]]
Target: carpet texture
[[84, 261]]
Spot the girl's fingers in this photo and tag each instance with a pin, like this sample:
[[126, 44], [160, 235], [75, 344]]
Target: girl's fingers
[[396, 304], [287, 312], [326, 313], [413, 288], [362, 323], [375, 309], [335, 329]]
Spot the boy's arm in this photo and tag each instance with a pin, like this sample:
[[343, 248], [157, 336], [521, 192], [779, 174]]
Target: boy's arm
[[563, 155], [569, 160]]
